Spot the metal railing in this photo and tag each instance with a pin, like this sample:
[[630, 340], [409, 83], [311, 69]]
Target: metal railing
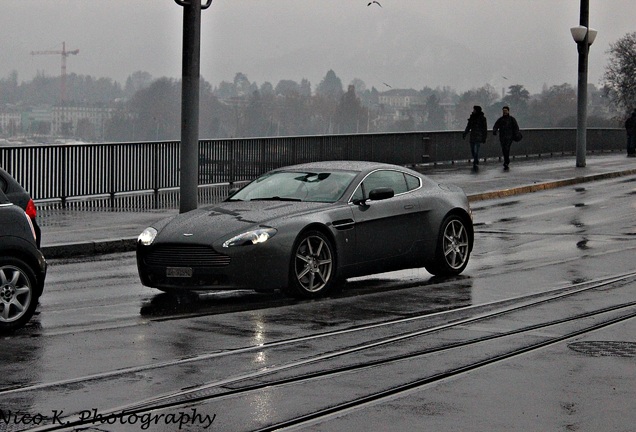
[[145, 175]]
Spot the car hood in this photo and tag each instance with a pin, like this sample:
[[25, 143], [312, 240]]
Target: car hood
[[230, 218]]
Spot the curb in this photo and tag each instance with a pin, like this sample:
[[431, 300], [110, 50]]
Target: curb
[[503, 193], [83, 249]]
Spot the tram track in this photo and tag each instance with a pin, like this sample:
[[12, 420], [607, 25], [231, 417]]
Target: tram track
[[419, 384], [273, 376], [515, 304]]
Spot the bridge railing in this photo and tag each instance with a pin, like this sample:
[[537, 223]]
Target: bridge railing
[[145, 175]]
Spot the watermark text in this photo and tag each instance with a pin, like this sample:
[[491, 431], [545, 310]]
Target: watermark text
[[144, 421]]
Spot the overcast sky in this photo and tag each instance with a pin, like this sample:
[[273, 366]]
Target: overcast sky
[[462, 44]]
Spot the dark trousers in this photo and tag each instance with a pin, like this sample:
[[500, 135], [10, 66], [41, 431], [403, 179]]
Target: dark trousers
[[505, 150], [474, 150], [631, 144]]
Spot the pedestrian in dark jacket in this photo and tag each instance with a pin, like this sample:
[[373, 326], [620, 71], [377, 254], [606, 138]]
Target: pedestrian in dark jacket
[[630, 128], [507, 127], [478, 129]]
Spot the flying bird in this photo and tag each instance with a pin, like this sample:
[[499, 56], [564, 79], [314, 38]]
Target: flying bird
[[387, 85], [370, 3]]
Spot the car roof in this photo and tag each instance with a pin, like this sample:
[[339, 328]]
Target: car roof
[[343, 165]]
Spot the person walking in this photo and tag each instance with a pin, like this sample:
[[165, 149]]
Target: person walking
[[478, 129], [508, 128], [630, 128]]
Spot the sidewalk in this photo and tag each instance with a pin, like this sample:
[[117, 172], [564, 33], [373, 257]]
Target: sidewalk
[[68, 233]]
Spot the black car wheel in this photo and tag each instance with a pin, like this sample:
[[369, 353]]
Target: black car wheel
[[18, 299], [453, 248], [313, 266]]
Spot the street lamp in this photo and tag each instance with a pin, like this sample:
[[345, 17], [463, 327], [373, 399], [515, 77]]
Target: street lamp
[[583, 36], [191, 65]]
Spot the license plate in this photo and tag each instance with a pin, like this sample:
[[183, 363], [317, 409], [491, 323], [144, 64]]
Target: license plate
[[179, 272]]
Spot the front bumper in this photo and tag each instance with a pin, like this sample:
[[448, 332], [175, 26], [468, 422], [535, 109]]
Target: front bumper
[[201, 267]]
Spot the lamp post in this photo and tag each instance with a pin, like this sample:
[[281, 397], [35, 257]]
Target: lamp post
[[583, 36], [189, 152]]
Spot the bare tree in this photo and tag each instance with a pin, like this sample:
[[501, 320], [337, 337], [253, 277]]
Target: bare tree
[[620, 72]]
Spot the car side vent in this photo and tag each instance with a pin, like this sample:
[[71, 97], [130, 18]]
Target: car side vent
[[343, 224]]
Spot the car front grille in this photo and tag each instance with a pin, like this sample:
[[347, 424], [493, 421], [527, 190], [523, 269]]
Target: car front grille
[[186, 256]]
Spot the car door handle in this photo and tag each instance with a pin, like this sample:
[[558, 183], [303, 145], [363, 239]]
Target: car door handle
[[408, 206]]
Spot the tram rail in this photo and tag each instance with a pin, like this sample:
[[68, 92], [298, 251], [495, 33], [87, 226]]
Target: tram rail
[[388, 345]]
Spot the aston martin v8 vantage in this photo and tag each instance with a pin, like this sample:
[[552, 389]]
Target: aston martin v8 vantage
[[305, 228]]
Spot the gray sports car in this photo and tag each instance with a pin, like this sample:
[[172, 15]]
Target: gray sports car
[[306, 228]]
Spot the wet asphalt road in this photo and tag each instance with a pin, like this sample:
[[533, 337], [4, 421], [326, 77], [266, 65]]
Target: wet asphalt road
[[103, 342]]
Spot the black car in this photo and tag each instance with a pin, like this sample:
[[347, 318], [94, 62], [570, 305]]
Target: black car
[[305, 228], [20, 197], [22, 267]]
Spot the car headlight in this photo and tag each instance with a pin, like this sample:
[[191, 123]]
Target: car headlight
[[147, 236], [253, 237]]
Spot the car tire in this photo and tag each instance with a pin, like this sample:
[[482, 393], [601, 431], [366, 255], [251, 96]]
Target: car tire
[[453, 248], [18, 294], [313, 266]]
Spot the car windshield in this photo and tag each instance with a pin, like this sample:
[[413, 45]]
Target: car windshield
[[297, 186]]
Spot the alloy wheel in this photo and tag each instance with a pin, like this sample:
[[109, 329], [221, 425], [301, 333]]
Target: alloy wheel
[[455, 244], [16, 293], [313, 263]]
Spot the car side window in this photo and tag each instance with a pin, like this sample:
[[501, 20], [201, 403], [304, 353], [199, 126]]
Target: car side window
[[383, 178], [412, 182], [3, 184], [358, 195]]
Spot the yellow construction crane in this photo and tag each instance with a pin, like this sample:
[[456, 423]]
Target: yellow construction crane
[[64, 54]]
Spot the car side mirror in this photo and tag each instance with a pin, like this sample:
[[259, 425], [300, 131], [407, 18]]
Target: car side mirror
[[381, 193], [233, 191], [377, 194]]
